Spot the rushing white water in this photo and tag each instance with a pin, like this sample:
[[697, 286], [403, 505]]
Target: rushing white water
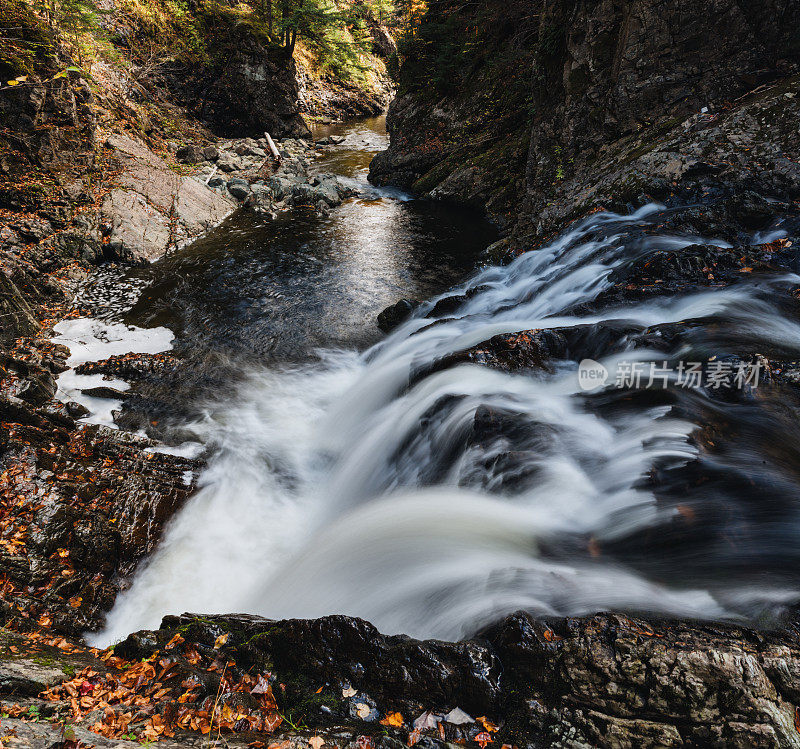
[[351, 486]]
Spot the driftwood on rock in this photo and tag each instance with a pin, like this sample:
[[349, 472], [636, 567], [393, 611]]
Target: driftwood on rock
[[272, 147]]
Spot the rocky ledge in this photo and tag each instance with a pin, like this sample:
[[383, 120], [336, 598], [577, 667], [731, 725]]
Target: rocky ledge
[[605, 680]]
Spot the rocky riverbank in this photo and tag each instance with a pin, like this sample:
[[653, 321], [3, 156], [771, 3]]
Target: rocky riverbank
[[606, 680]]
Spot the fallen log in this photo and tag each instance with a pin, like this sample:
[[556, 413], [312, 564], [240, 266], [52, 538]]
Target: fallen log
[[272, 147]]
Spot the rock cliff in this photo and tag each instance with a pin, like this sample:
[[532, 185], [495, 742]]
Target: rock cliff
[[549, 99]]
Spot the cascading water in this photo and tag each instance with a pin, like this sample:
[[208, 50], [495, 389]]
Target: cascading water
[[378, 485]]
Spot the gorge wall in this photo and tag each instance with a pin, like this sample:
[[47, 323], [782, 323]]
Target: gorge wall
[[542, 111]]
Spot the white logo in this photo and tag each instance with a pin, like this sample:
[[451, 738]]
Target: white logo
[[592, 374]]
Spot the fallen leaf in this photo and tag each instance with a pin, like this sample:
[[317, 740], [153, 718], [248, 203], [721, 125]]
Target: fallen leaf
[[177, 640], [363, 710], [221, 640], [487, 724], [414, 737], [393, 719], [426, 720], [261, 687], [483, 738], [349, 692], [458, 717], [315, 742]]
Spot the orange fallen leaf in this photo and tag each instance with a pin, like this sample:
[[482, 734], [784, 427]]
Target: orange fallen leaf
[[177, 640], [393, 719], [221, 640]]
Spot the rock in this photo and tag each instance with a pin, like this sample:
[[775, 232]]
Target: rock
[[32, 229], [210, 153], [76, 410], [228, 163], [38, 387], [611, 129], [562, 682], [304, 194], [24, 677], [190, 154], [154, 209], [239, 188], [103, 391], [281, 185], [255, 90], [16, 317], [261, 198], [396, 314]]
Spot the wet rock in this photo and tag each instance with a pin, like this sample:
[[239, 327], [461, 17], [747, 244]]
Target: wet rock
[[16, 316], [513, 352], [76, 410], [190, 154], [396, 314], [239, 188], [102, 391], [38, 387], [130, 366], [25, 677], [560, 682], [261, 198], [611, 129]]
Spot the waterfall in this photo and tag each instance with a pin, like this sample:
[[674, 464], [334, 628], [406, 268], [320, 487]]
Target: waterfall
[[369, 484]]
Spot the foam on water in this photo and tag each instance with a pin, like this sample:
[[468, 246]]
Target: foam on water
[[90, 340]]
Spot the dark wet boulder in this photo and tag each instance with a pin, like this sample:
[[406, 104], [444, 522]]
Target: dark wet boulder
[[396, 314], [103, 391], [38, 387], [511, 352], [190, 154], [76, 410], [239, 188]]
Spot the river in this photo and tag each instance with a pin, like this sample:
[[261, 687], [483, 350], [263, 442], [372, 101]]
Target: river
[[347, 474]]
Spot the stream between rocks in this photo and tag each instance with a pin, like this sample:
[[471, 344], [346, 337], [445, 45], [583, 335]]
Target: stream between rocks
[[400, 479]]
